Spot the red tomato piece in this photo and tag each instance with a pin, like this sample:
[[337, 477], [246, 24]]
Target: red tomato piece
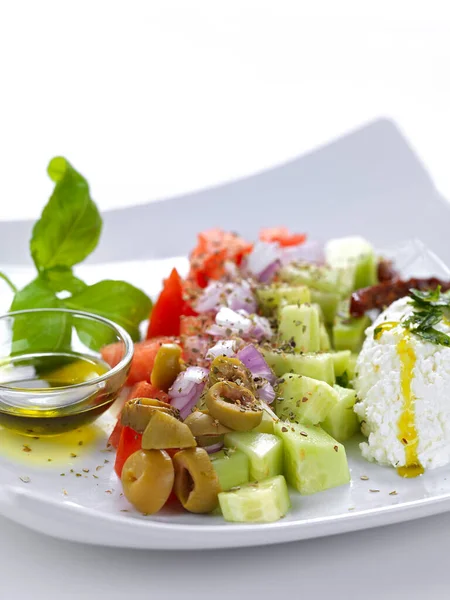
[[171, 304], [129, 443], [282, 235], [142, 389], [214, 248], [143, 358]]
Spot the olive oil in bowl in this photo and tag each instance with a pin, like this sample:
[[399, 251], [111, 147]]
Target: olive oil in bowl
[[51, 393]]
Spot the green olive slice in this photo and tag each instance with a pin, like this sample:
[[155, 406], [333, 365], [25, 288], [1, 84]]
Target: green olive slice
[[137, 412], [196, 482], [201, 423], [164, 431], [147, 480], [234, 406], [166, 367], [224, 368]]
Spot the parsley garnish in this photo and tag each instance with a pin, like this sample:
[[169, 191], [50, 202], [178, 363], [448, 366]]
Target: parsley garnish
[[428, 309]]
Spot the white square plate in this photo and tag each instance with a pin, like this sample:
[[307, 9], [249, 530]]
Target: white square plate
[[368, 183]]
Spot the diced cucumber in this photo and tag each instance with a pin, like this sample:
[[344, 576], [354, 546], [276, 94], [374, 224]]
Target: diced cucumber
[[323, 278], [341, 361], [273, 296], [325, 343], [341, 422], [318, 366], [351, 369], [232, 468], [264, 451], [328, 301], [299, 326], [356, 254], [303, 399], [349, 332], [262, 502], [266, 425], [313, 460]]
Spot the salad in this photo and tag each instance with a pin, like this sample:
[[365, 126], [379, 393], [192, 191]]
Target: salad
[[258, 366]]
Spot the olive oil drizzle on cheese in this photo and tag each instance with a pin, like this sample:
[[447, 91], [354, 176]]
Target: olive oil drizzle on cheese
[[408, 435]]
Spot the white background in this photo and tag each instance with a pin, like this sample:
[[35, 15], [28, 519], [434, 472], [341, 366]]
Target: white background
[[150, 99]]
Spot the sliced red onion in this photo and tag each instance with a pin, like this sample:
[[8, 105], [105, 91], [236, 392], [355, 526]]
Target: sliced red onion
[[270, 271], [211, 298], [266, 392], [213, 448], [256, 363], [230, 322], [310, 252], [261, 328], [222, 348], [187, 389], [240, 296], [235, 295], [262, 256]]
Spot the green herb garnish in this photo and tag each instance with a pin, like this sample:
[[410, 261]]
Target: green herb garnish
[[429, 308], [343, 380], [67, 232]]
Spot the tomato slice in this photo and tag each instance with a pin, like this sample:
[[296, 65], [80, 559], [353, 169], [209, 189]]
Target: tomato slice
[[143, 357], [142, 389], [282, 235], [170, 306], [214, 248], [129, 443]]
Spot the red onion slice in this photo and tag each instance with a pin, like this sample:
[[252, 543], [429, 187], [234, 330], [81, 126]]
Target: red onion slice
[[256, 363], [309, 252], [222, 348], [235, 295], [266, 392], [268, 273], [262, 256], [187, 389], [213, 448]]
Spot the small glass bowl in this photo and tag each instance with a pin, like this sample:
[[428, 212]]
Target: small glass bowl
[[52, 375]]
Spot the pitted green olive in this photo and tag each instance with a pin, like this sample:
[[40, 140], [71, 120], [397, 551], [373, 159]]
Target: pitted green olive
[[234, 406], [147, 480], [201, 423], [167, 366], [224, 368], [196, 482], [164, 431], [137, 412]]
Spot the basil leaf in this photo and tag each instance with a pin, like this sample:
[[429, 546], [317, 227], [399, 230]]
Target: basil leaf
[[61, 279], [116, 300], [70, 224], [434, 336], [37, 333]]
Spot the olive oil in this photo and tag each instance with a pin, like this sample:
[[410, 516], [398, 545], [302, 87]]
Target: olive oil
[[36, 397]]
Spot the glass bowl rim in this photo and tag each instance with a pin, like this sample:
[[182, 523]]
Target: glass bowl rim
[[122, 333]]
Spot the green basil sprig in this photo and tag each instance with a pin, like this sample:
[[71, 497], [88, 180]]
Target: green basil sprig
[[67, 232]]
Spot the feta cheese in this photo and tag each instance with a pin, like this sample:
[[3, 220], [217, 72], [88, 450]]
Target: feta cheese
[[378, 385]]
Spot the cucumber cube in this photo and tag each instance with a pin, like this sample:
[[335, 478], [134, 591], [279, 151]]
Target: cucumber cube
[[341, 361], [232, 468], [325, 343], [323, 278], [356, 254], [349, 332], [266, 425], [318, 366], [328, 302], [351, 369], [302, 399], [264, 451], [262, 502], [313, 460], [299, 326], [341, 422], [271, 297]]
